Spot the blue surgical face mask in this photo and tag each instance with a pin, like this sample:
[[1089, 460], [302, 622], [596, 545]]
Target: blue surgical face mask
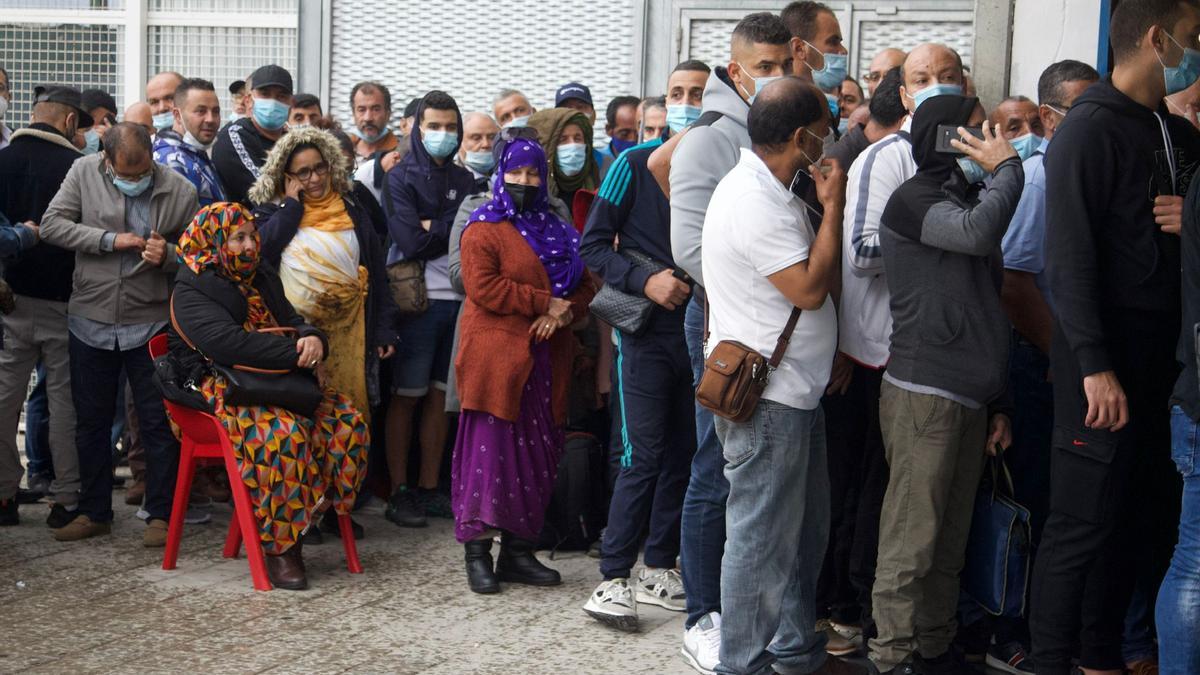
[[681, 116], [571, 158], [1026, 145], [517, 122], [834, 71], [1185, 74], [270, 114], [835, 109], [91, 142], [439, 144], [482, 161], [760, 83], [372, 139], [972, 170], [131, 188], [843, 126], [934, 90], [163, 120], [619, 146]]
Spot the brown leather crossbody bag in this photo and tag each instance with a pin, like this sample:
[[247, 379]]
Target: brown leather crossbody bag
[[735, 375]]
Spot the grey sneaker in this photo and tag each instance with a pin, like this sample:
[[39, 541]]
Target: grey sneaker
[[662, 587], [612, 604], [192, 517]]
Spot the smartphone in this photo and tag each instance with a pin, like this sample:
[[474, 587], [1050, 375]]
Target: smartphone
[[949, 132]]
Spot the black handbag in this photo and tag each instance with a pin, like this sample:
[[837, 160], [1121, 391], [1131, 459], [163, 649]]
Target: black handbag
[[178, 381], [628, 313]]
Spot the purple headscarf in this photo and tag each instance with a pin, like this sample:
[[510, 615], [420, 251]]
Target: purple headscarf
[[554, 242]]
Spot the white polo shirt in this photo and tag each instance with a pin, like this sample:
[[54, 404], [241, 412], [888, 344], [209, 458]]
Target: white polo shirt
[[754, 228]]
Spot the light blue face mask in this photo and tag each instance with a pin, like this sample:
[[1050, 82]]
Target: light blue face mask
[[681, 116], [91, 142], [834, 71], [131, 188], [972, 170], [233, 116], [760, 83], [570, 158], [1185, 74], [439, 144], [371, 139], [934, 90], [518, 122], [163, 120], [270, 114], [843, 126], [481, 161], [835, 109], [1026, 145]]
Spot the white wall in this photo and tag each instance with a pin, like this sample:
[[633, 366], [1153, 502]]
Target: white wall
[[1045, 31]]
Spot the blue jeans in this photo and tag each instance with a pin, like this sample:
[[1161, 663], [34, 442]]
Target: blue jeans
[[1178, 611], [37, 429], [702, 528], [777, 526]]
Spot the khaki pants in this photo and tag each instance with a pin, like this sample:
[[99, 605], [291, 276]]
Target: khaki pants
[[935, 451], [37, 329]]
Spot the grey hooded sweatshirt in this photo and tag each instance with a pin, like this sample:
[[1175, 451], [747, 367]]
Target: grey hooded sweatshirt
[[705, 154]]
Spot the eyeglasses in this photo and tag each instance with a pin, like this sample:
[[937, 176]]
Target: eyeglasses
[[873, 76], [306, 173]]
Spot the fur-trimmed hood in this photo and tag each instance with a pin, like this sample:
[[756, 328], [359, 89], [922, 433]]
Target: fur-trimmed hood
[[271, 182], [47, 133]]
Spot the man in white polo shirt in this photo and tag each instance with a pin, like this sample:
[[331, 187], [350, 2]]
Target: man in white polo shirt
[[762, 261]]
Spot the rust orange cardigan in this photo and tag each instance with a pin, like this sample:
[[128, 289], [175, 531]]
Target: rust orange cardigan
[[507, 288]]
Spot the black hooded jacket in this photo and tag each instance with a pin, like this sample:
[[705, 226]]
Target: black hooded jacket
[[1110, 267], [941, 253], [418, 189]]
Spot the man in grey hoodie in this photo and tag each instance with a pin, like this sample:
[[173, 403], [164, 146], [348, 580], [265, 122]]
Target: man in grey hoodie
[[760, 53]]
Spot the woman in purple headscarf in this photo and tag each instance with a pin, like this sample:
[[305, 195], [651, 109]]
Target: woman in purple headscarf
[[525, 285]]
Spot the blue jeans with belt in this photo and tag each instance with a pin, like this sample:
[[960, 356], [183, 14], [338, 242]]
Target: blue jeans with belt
[[702, 529], [1178, 610]]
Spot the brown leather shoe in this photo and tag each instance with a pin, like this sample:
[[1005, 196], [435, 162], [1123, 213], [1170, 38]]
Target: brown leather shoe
[[81, 528], [155, 535], [835, 666], [135, 492], [286, 570]]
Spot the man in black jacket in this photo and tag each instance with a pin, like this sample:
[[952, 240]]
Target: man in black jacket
[[31, 170], [242, 146], [1118, 168]]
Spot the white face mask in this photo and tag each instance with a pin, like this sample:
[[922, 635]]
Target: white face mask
[[194, 143], [3, 106]]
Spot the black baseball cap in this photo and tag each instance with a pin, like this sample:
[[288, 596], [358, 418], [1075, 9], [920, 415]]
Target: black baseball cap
[[236, 86], [272, 75], [572, 90], [98, 98], [59, 93]]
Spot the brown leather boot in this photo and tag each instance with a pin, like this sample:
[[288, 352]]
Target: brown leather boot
[[286, 570]]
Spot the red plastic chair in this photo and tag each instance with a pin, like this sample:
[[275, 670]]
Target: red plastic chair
[[205, 443]]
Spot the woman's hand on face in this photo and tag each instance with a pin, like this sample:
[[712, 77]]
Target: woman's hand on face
[[292, 187], [560, 311], [386, 353], [311, 351], [543, 328]]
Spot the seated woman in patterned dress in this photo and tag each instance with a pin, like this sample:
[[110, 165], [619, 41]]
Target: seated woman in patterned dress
[[224, 304]]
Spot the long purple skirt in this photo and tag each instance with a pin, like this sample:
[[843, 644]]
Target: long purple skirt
[[502, 473]]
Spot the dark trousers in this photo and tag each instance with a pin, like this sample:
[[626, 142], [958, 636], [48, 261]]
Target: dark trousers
[[655, 399], [95, 379], [1111, 499], [858, 478]]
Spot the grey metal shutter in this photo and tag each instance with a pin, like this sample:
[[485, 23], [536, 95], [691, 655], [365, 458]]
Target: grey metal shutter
[[472, 50]]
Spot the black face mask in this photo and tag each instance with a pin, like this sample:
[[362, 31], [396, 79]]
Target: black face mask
[[523, 196]]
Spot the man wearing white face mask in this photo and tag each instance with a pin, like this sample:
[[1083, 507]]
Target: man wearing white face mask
[[160, 96], [819, 54], [184, 147], [242, 146], [475, 155]]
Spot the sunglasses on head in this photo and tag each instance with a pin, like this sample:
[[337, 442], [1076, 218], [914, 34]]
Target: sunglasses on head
[[509, 134]]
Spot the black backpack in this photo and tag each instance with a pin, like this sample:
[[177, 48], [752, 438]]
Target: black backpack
[[576, 512]]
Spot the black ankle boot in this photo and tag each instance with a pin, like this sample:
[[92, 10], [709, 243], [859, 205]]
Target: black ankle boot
[[480, 575], [518, 565]]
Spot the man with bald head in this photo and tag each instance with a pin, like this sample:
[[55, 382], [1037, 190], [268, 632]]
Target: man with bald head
[[883, 62], [160, 96], [479, 130], [1017, 119], [139, 113], [121, 213]]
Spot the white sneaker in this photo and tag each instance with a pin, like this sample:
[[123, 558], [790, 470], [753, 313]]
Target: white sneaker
[[702, 644], [612, 604], [663, 588], [192, 517]]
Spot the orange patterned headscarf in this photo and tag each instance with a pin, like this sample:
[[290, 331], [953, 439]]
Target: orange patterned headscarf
[[203, 244]]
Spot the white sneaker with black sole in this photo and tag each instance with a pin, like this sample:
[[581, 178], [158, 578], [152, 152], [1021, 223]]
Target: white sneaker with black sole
[[612, 604], [702, 644], [662, 587], [193, 516]]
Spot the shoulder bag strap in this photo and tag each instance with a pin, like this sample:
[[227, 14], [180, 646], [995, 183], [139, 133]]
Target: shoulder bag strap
[[784, 338]]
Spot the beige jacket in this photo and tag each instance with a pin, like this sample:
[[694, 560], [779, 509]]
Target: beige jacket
[[86, 207]]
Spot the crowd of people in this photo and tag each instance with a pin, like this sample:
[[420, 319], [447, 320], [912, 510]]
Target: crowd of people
[[956, 303]]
